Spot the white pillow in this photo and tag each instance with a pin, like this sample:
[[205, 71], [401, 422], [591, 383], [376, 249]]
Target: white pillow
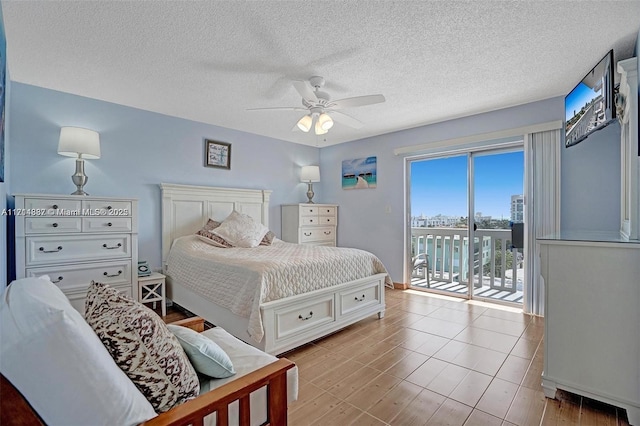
[[240, 230], [53, 357], [205, 354]]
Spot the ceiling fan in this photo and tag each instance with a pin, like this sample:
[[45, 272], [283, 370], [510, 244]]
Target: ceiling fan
[[321, 110]]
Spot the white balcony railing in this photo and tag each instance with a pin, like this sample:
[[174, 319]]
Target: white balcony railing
[[448, 250]]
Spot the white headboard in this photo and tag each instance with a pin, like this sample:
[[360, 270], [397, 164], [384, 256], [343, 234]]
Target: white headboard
[[186, 208]]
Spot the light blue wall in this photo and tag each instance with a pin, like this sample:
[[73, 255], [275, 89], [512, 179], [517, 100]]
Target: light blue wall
[[141, 149], [590, 189], [373, 219]]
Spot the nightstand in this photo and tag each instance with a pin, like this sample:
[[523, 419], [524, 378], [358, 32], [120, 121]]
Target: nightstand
[[152, 289]]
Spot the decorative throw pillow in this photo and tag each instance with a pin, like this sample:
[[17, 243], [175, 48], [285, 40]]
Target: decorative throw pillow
[[205, 355], [268, 239], [142, 346], [240, 230], [208, 237]]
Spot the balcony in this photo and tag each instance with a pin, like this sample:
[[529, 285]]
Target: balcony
[[498, 269]]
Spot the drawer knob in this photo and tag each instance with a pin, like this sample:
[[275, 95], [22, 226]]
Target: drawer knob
[[308, 234], [327, 232], [50, 251], [55, 206], [106, 274], [310, 220], [360, 299], [112, 247], [109, 224], [60, 278], [55, 225], [308, 317]]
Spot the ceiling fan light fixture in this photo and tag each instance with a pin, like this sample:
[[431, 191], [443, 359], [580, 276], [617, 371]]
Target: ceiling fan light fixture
[[325, 121], [319, 130], [305, 123]]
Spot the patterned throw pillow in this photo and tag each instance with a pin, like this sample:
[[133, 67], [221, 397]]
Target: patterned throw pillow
[[208, 237], [268, 239], [142, 346], [241, 230]]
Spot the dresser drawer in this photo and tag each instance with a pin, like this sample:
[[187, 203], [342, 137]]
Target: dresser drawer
[[326, 233], [327, 211], [52, 225], [79, 276], [43, 250], [106, 224], [49, 207], [308, 211], [309, 220], [354, 300], [326, 220], [294, 320], [107, 208]]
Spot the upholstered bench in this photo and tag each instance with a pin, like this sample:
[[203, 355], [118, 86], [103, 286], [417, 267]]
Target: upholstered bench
[[53, 360]]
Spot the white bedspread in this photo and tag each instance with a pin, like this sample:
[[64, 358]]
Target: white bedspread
[[240, 279]]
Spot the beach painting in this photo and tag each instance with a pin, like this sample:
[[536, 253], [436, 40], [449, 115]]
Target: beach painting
[[360, 173]]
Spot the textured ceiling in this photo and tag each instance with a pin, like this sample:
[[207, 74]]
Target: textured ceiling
[[210, 61]]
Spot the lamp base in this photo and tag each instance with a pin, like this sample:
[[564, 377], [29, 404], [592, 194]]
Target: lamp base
[[79, 178], [310, 193]]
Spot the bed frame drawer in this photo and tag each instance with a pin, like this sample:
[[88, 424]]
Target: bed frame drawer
[[360, 298], [293, 320]]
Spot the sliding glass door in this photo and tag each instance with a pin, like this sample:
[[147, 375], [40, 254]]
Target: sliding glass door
[[467, 215]]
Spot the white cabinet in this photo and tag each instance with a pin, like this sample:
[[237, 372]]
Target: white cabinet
[[75, 240], [310, 224], [592, 321]]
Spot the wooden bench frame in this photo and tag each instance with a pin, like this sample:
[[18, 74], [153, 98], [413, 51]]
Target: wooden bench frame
[[17, 411]]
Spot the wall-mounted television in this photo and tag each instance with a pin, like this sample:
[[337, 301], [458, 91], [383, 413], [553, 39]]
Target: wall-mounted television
[[590, 105]]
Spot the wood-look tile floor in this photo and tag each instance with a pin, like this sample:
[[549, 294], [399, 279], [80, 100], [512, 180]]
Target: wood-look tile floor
[[434, 360]]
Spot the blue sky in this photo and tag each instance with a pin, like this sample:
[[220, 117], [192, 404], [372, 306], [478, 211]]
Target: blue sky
[[439, 186], [578, 97]]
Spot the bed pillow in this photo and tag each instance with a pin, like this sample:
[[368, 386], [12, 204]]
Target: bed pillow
[[208, 237], [53, 357], [142, 346], [205, 234], [240, 230], [205, 355], [268, 239]]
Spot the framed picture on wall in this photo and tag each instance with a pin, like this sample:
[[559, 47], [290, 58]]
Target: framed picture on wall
[[217, 154]]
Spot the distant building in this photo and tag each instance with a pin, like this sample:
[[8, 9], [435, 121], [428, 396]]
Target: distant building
[[437, 221], [517, 208]]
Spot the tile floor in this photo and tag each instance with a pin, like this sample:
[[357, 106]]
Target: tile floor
[[435, 360]]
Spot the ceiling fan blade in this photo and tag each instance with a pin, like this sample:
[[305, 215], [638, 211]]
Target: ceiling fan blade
[[356, 101], [343, 118], [279, 108], [305, 90]]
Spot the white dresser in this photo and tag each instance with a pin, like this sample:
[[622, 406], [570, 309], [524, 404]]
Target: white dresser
[[77, 239], [592, 320], [315, 224]]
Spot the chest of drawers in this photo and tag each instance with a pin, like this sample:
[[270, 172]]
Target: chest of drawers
[[310, 224], [75, 240]]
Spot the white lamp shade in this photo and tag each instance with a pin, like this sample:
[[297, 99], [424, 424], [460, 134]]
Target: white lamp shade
[[75, 141], [310, 174], [319, 130], [325, 121], [304, 123]]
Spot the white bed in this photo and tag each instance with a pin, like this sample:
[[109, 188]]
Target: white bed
[[286, 322]]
